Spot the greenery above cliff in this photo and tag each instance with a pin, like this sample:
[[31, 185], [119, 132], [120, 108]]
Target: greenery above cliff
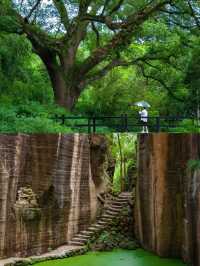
[[156, 62]]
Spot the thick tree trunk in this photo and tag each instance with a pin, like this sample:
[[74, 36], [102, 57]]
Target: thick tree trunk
[[66, 91], [59, 87], [65, 96]]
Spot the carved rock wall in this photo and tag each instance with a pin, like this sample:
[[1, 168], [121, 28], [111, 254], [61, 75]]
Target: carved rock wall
[[47, 191], [168, 196]]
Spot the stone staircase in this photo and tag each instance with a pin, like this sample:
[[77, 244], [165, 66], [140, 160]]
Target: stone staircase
[[111, 210]]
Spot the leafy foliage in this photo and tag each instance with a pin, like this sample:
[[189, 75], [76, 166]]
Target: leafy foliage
[[128, 148], [194, 165], [164, 52]]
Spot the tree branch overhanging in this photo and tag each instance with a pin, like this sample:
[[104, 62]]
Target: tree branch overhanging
[[117, 7], [137, 62], [106, 3], [121, 38], [97, 34], [33, 9], [121, 63], [62, 12], [83, 6], [157, 79], [193, 13]]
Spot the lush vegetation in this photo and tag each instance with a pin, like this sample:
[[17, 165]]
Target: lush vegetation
[[160, 64], [118, 234], [194, 165], [123, 149]]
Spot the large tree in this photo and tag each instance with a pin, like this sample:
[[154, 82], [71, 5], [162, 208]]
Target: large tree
[[58, 29]]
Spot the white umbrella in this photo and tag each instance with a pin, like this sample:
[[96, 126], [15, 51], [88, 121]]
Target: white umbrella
[[143, 104]]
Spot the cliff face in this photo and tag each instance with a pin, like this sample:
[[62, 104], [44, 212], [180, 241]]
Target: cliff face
[[168, 196], [47, 191]]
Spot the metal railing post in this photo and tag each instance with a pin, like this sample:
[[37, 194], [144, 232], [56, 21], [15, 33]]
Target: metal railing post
[[56, 118], [89, 125], [94, 125], [126, 123], [122, 123], [157, 124], [63, 119]]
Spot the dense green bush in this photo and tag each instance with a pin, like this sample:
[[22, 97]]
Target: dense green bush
[[186, 126], [30, 118], [193, 165]]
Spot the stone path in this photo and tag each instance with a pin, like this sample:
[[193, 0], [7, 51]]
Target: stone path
[[61, 252], [111, 211], [77, 244]]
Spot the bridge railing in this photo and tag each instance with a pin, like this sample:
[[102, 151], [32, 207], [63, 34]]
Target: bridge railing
[[122, 123]]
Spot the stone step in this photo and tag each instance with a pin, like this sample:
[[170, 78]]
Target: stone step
[[112, 212], [108, 202], [103, 222], [121, 200], [126, 198], [73, 243], [116, 210], [98, 226], [125, 195], [76, 243], [80, 239], [119, 206], [106, 216], [112, 209], [116, 207], [109, 215], [83, 235], [87, 233], [93, 229], [107, 220], [117, 202], [120, 203]]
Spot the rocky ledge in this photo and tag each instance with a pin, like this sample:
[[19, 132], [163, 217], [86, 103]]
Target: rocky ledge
[[61, 252]]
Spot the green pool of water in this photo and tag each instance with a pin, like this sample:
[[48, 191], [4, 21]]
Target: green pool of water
[[117, 257]]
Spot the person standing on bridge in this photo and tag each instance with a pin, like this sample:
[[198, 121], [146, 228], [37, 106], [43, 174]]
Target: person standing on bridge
[[143, 115], [144, 119]]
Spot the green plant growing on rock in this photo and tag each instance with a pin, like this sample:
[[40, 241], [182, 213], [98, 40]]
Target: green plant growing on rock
[[117, 234], [123, 149], [194, 165]]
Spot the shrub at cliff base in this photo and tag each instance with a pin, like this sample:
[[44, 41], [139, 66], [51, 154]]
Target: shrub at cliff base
[[119, 234]]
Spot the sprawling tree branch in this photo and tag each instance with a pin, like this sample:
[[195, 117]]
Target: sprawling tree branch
[[123, 63], [83, 6], [159, 80], [122, 38], [97, 34], [106, 3], [62, 12], [193, 13], [117, 7], [33, 9], [107, 20]]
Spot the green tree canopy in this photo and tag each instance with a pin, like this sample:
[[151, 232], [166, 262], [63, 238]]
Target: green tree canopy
[[79, 42]]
